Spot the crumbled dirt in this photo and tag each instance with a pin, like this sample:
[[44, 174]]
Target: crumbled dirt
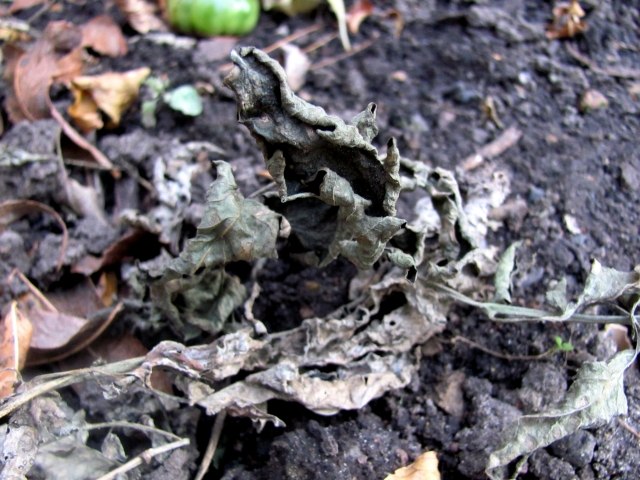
[[576, 172]]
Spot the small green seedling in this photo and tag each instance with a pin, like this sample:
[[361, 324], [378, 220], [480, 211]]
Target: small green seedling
[[561, 345], [184, 99]]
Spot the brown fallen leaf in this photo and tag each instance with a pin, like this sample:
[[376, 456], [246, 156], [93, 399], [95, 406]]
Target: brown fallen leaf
[[15, 337], [141, 15], [110, 93], [358, 13], [567, 21], [104, 35], [424, 468], [63, 322], [56, 57]]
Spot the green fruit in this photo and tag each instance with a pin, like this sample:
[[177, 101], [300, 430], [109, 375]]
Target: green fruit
[[214, 17]]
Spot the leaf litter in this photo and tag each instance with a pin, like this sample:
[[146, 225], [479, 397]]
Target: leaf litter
[[341, 361]]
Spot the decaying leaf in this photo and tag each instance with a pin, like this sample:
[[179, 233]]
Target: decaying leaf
[[232, 229], [357, 13], [596, 395], [502, 279], [602, 284], [141, 15], [15, 337], [111, 93], [424, 468], [55, 57], [64, 323], [567, 20], [337, 193], [104, 36]]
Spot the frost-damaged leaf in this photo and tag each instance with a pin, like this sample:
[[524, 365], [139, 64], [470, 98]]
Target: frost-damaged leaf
[[337, 193], [424, 468], [232, 229], [602, 284], [347, 388], [596, 395]]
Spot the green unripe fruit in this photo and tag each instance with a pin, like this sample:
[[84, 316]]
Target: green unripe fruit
[[214, 17]]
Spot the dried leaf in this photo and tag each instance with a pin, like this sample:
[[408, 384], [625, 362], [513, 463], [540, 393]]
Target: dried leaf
[[567, 21], [15, 337], [232, 229], [55, 57], [424, 468], [111, 93], [337, 193], [104, 36], [602, 284], [503, 274], [141, 15], [64, 323], [358, 13], [596, 395]]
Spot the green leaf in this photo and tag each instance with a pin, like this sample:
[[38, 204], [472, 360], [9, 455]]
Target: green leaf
[[184, 99], [502, 279], [596, 395]]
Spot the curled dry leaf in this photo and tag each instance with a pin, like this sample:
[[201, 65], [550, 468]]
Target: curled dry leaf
[[64, 323], [104, 36], [141, 15], [567, 21], [15, 337], [424, 468], [358, 13], [110, 93], [54, 58]]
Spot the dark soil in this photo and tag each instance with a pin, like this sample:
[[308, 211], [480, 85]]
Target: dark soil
[[575, 180]]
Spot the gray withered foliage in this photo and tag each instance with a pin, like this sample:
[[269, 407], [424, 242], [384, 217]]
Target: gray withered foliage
[[596, 395], [193, 289], [339, 193]]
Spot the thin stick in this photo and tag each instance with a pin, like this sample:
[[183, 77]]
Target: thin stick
[[63, 379], [135, 426], [619, 72], [145, 457], [506, 140], [212, 445], [338, 58], [504, 356], [303, 32], [524, 314], [629, 428]]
